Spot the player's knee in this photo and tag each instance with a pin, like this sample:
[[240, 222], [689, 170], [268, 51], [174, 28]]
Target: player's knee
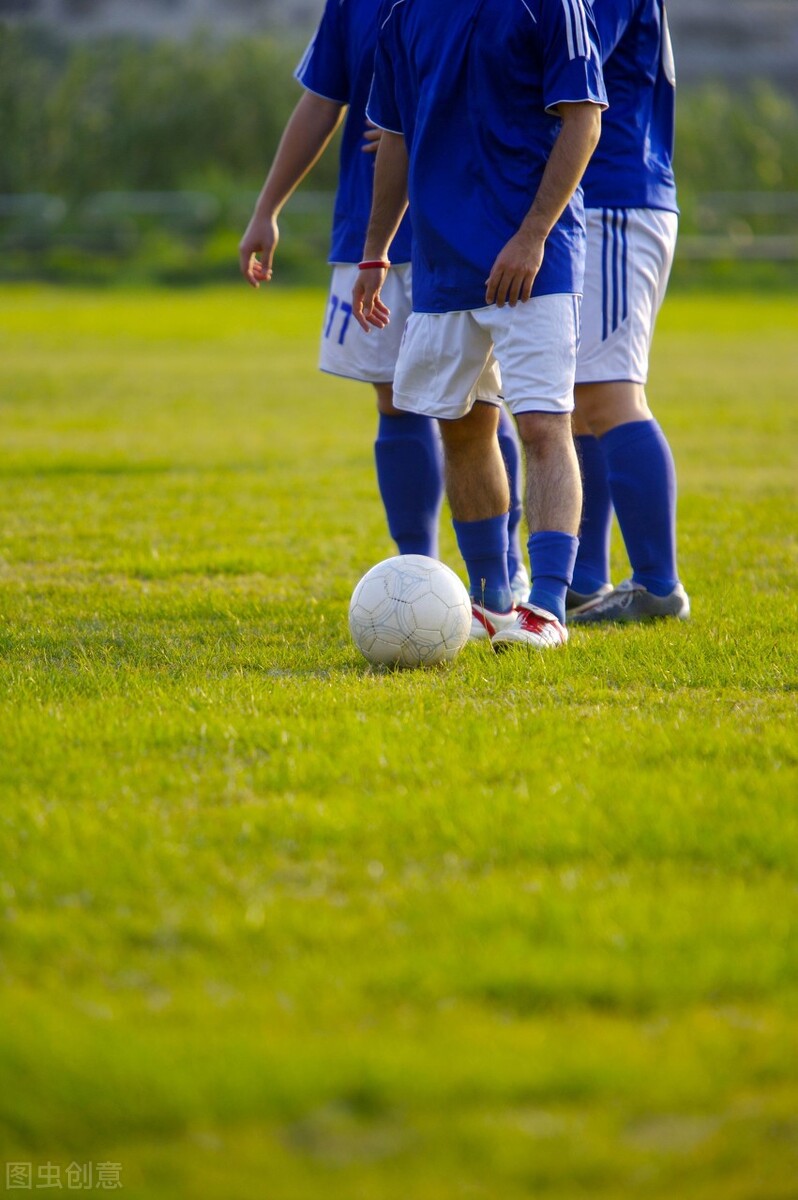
[[542, 432], [602, 406]]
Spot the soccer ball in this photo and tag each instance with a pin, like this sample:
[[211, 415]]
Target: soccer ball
[[410, 611]]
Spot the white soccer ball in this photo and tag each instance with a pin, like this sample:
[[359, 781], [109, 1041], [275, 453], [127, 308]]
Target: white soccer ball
[[410, 611]]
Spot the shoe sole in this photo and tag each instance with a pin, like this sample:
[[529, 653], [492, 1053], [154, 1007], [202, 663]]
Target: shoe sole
[[502, 644]]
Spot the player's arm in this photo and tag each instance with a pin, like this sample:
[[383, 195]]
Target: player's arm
[[388, 206], [305, 137], [371, 138], [513, 273]]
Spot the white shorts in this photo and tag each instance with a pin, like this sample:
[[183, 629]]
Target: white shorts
[[448, 360], [629, 257], [345, 349]]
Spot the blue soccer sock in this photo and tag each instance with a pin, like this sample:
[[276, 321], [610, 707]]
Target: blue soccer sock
[[593, 558], [642, 484], [409, 462], [551, 556], [511, 453], [483, 545]]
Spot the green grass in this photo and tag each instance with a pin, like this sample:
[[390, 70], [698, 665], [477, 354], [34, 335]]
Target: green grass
[[274, 925]]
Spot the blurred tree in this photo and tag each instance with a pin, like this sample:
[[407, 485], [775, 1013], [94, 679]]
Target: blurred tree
[[127, 114], [729, 141], [121, 113]]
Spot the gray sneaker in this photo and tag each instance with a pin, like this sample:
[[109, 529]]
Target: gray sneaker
[[632, 602], [576, 601]]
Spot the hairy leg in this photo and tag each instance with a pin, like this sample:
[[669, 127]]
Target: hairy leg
[[476, 478], [553, 507], [553, 483]]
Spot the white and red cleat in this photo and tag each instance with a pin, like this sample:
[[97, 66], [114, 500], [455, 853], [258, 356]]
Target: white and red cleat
[[485, 623], [532, 627]]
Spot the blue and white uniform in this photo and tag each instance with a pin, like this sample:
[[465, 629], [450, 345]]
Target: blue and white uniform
[[338, 65], [630, 194], [473, 86]]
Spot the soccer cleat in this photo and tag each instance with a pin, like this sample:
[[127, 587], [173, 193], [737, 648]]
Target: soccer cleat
[[520, 585], [632, 602], [532, 627], [485, 622], [576, 601]]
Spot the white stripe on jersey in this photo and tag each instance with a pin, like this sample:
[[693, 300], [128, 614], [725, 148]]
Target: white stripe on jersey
[[576, 29], [585, 35], [667, 51], [529, 10], [569, 29]]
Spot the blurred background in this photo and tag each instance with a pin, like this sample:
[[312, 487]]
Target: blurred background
[[134, 138]]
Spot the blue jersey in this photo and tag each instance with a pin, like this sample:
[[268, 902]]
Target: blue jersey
[[338, 64], [633, 164], [472, 84]]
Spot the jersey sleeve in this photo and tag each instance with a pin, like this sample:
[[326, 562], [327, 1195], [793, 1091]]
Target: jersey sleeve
[[571, 54], [323, 67], [382, 108]]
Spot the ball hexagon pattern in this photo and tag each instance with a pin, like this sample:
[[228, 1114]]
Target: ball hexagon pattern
[[409, 611]]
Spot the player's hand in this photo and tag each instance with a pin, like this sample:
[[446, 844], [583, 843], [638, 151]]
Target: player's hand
[[256, 250], [371, 138], [513, 273], [367, 306]]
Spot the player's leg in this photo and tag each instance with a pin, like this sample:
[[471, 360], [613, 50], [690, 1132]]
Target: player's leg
[[642, 481], [535, 344], [641, 478], [612, 403], [407, 450], [592, 569], [444, 370], [511, 453], [476, 485], [553, 506], [409, 462]]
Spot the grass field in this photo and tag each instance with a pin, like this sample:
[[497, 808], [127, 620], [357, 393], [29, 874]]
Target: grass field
[[275, 926]]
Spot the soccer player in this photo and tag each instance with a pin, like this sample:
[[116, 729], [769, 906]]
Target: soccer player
[[489, 111], [631, 211], [336, 73]]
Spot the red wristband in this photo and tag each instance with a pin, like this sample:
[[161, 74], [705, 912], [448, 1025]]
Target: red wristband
[[377, 262]]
